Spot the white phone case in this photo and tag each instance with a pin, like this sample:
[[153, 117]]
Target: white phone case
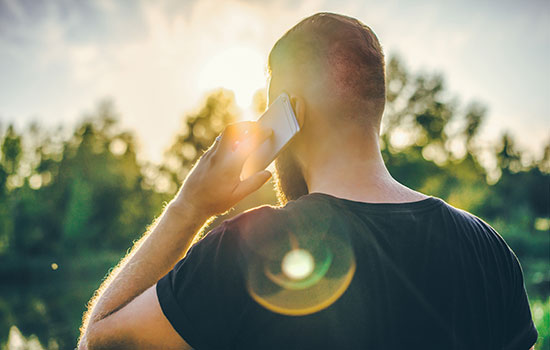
[[281, 119]]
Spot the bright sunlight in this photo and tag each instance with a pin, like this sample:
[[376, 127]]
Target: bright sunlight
[[239, 68]]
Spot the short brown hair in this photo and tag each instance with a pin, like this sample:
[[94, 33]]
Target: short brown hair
[[341, 46]]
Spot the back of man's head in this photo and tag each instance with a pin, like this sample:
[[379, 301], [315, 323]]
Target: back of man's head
[[336, 63]]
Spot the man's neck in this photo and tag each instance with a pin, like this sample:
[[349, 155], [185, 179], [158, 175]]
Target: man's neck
[[360, 176]]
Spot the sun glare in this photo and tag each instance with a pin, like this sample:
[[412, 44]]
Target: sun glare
[[241, 69]]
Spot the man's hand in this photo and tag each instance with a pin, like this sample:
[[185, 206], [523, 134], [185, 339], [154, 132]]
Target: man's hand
[[125, 312], [213, 186]]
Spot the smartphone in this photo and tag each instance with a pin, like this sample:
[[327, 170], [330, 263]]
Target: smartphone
[[281, 119]]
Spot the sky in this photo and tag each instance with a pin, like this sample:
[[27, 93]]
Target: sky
[[157, 59]]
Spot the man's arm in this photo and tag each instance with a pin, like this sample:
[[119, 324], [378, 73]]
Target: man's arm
[[150, 259], [124, 311]]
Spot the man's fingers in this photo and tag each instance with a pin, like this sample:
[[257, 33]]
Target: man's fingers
[[237, 142], [251, 184], [235, 131], [249, 143]]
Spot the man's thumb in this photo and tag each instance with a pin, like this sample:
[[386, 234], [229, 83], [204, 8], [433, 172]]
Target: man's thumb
[[251, 184]]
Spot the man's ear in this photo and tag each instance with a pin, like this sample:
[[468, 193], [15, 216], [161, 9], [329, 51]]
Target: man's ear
[[299, 106]]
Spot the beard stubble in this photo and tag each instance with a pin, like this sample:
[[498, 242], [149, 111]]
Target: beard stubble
[[290, 183]]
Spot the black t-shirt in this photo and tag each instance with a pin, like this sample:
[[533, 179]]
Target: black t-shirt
[[428, 276]]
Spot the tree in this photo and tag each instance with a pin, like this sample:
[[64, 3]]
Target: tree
[[197, 133], [67, 220], [428, 143]]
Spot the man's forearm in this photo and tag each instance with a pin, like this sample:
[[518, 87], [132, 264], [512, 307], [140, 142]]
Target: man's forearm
[[151, 258], [212, 187]]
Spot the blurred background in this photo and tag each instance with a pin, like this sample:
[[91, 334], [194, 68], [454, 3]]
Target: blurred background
[[104, 107]]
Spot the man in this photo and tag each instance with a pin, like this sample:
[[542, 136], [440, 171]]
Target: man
[[427, 275]]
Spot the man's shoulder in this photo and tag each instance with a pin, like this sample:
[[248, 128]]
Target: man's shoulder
[[475, 229], [268, 219], [265, 215], [262, 216], [465, 217]]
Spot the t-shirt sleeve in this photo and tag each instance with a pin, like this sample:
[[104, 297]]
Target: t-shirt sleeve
[[520, 327], [204, 296]]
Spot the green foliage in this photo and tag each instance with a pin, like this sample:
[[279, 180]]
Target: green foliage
[[197, 134], [83, 201], [11, 151], [541, 316], [70, 207]]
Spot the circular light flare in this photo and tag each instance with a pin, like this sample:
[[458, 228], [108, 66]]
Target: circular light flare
[[297, 264]]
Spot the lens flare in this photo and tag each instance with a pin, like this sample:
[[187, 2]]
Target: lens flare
[[299, 271], [297, 264]]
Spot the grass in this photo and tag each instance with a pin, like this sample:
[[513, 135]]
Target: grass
[[541, 315]]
